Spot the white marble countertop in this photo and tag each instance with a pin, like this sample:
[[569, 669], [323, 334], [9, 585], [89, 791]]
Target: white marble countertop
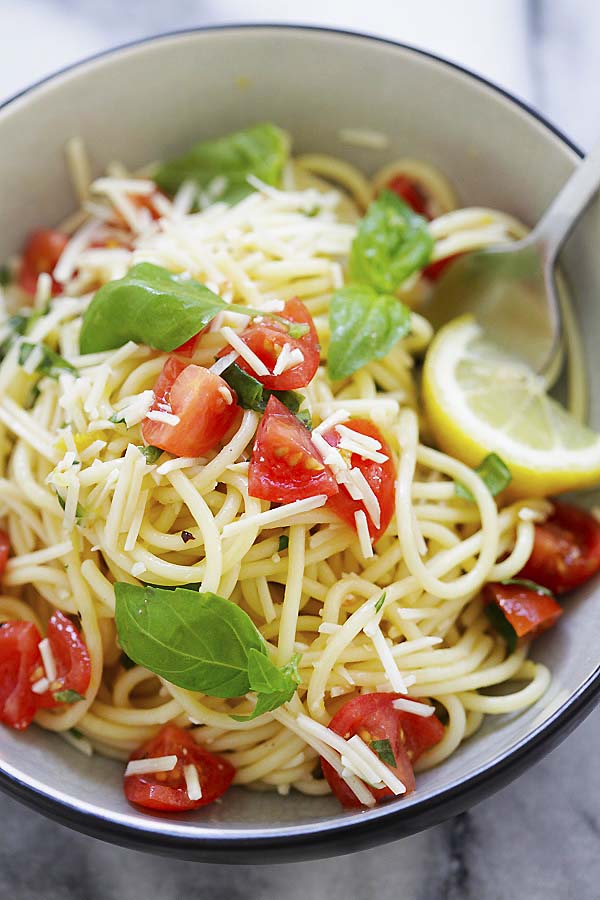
[[538, 838]]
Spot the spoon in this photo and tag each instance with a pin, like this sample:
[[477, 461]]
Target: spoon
[[510, 288]]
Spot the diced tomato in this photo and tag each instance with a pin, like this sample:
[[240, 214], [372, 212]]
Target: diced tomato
[[41, 254], [167, 791], [373, 718], [285, 465], [528, 611], [73, 666], [267, 339], [4, 550], [20, 667], [381, 478], [566, 550], [199, 399], [412, 194], [435, 270]]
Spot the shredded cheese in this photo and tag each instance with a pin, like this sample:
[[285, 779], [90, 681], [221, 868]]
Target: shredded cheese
[[48, 659], [411, 706], [165, 418], [364, 538], [256, 364], [281, 513], [192, 782], [151, 764]]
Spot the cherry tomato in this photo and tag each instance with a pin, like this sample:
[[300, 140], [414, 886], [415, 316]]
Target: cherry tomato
[[435, 270], [267, 338], [41, 254], [285, 465], [205, 404], [4, 550], [566, 550], [529, 612], [20, 667], [373, 718], [411, 193], [167, 791], [73, 666], [380, 476]]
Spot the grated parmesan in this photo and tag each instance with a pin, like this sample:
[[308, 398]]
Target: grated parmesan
[[47, 659], [411, 706], [364, 538], [256, 364], [192, 782], [152, 764]]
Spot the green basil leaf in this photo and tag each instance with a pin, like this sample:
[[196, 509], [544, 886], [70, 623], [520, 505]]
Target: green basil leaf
[[380, 602], [392, 242], [530, 585], [493, 471], [18, 325], [261, 150], [117, 419], [305, 417], [384, 751], [252, 395], [502, 626], [274, 686], [68, 696], [151, 454], [196, 641], [284, 542], [76, 733], [364, 325], [50, 364]]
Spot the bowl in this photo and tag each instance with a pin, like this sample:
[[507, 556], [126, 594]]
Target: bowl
[[153, 99]]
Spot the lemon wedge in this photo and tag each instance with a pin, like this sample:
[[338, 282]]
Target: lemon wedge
[[479, 400]]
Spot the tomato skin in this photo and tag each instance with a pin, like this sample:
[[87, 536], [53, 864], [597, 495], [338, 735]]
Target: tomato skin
[[73, 665], [41, 254], [373, 718], [528, 611], [411, 193], [266, 339], [285, 466], [566, 550], [19, 659], [380, 476], [435, 270], [166, 791], [4, 550], [192, 393]]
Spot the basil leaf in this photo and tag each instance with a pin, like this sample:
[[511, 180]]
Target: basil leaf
[[380, 602], [364, 325], [493, 471], [392, 242], [284, 542], [274, 686], [261, 150], [530, 585], [150, 453], [384, 751], [502, 626], [305, 417], [79, 512], [196, 641], [252, 395], [5, 278], [76, 733], [50, 364], [68, 696]]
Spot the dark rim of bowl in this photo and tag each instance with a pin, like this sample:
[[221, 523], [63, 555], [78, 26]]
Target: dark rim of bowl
[[384, 823]]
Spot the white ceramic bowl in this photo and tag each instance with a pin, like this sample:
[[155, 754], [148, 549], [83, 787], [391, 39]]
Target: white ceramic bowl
[[153, 99]]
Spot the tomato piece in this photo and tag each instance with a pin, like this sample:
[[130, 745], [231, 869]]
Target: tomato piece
[[381, 478], [20, 667], [285, 465], [566, 550], [200, 399], [529, 612], [373, 718], [73, 665], [435, 270], [4, 550], [267, 339], [412, 194], [167, 791], [41, 254]]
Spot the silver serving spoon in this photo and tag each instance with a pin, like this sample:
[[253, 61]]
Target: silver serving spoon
[[510, 288]]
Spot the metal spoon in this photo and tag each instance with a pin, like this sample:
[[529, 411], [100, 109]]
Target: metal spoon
[[511, 288]]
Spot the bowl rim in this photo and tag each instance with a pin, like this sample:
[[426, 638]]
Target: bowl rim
[[350, 831]]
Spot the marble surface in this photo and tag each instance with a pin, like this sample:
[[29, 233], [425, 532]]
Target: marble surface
[[538, 838]]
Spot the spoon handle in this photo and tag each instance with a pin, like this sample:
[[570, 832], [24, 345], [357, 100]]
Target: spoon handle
[[555, 225]]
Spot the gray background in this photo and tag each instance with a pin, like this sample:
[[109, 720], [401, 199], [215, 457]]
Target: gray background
[[536, 839]]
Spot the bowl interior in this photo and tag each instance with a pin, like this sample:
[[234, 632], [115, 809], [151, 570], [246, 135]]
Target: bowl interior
[[154, 99]]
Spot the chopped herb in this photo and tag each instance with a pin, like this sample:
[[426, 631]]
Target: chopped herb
[[50, 364], [34, 393], [530, 585], [494, 473], [305, 417], [252, 395], [312, 212], [117, 419], [283, 542], [79, 512], [68, 696], [5, 278], [18, 326], [384, 751], [380, 602], [150, 453], [76, 733], [187, 536], [502, 626]]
